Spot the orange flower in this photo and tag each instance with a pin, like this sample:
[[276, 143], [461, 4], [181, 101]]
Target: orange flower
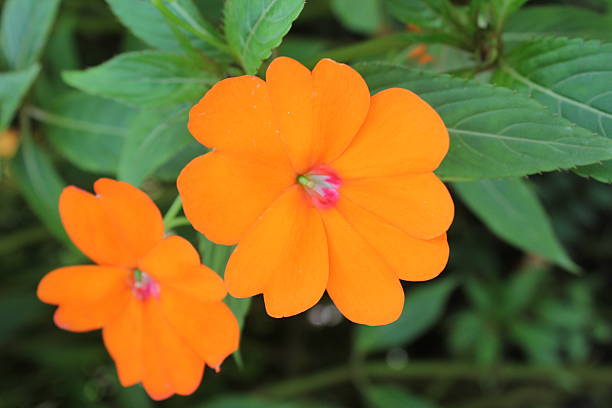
[[159, 309], [322, 186]]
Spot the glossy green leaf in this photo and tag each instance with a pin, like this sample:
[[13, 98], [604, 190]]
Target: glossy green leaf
[[154, 136], [366, 19], [532, 22], [88, 130], [572, 78], [494, 131], [386, 396], [13, 87], [147, 78], [24, 30], [40, 184], [254, 27], [146, 22], [425, 303], [513, 212]]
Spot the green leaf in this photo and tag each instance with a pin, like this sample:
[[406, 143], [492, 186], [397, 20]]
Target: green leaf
[[571, 78], [13, 87], [513, 212], [523, 289], [154, 136], [494, 131], [146, 22], [366, 19], [532, 22], [147, 78], [424, 306], [386, 396], [149, 24], [423, 13], [88, 130], [254, 27], [24, 30], [40, 184], [539, 342], [170, 170], [505, 8]]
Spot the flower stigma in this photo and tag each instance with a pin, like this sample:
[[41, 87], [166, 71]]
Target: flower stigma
[[322, 185], [144, 286]]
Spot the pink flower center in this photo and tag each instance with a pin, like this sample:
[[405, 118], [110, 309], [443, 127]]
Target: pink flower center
[[144, 286], [322, 185]]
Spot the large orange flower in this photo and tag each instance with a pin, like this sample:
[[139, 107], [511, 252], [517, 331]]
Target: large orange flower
[[323, 188], [159, 309]]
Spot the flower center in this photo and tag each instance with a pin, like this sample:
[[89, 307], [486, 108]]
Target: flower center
[[322, 185], [144, 286]]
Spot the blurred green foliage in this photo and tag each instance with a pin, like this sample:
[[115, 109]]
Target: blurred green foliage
[[102, 88]]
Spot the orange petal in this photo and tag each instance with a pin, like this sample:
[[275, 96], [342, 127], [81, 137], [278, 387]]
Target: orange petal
[[362, 286], [341, 104], [292, 94], [223, 194], [94, 316], [236, 116], [123, 338], [81, 284], [411, 259], [401, 134], [115, 227], [169, 365], [175, 263], [89, 296], [418, 204], [209, 328], [284, 255]]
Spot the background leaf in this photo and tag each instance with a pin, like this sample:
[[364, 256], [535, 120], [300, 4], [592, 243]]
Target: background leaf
[[88, 130], [253, 28], [417, 12], [24, 30], [424, 306], [13, 87], [367, 18], [40, 184], [147, 78], [569, 77], [154, 136], [539, 21], [494, 132], [513, 212]]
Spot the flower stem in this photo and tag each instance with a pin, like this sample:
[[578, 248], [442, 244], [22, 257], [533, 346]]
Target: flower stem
[[169, 218]]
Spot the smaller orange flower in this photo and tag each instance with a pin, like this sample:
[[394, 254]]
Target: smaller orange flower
[[160, 310], [419, 52]]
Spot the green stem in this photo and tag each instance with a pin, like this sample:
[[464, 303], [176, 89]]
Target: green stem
[[203, 33], [172, 212], [177, 222], [438, 370]]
